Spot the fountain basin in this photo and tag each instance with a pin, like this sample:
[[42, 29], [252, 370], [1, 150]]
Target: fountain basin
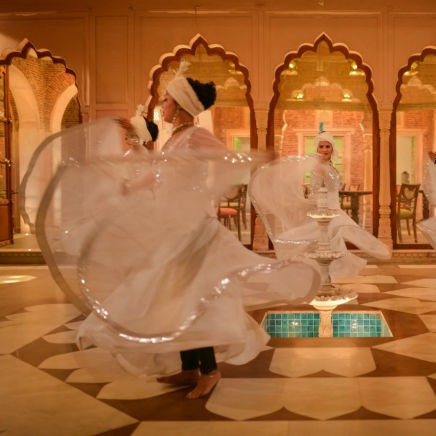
[[306, 324]]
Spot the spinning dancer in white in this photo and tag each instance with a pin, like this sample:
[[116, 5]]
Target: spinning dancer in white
[[167, 283], [278, 195]]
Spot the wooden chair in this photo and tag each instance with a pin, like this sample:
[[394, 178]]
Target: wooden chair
[[231, 206], [406, 208], [346, 199], [240, 204]]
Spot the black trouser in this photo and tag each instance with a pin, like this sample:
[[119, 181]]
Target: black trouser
[[202, 358]]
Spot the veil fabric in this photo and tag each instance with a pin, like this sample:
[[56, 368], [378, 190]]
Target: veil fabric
[[278, 194], [152, 268]]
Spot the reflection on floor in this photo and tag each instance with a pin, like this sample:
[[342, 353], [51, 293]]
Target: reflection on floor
[[333, 386]]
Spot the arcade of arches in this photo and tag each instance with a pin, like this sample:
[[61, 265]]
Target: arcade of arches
[[321, 82]]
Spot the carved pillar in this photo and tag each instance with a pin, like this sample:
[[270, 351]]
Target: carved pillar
[[261, 114], [367, 216], [260, 238], [384, 231]]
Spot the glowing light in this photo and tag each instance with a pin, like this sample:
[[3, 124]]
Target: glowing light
[[8, 279]]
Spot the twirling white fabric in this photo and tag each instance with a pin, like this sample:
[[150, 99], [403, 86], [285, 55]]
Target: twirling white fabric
[[428, 226], [155, 268], [276, 190]]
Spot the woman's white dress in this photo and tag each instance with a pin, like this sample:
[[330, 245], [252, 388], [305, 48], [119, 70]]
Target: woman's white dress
[[155, 268], [280, 199], [428, 226]]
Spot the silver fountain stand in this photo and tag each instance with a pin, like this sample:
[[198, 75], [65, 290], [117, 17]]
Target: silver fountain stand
[[329, 296]]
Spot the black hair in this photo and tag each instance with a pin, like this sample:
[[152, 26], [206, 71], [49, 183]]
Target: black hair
[[152, 128], [206, 92]]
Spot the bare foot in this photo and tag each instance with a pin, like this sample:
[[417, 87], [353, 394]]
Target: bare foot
[[189, 377], [205, 384]]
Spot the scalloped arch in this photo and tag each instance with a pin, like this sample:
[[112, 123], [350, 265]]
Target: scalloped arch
[[342, 48], [357, 59], [25, 47], [431, 50], [211, 50]]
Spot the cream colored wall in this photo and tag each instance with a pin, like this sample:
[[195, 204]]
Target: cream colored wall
[[113, 47]]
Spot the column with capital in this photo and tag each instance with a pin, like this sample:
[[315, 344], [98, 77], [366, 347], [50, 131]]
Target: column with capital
[[384, 229], [260, 241]]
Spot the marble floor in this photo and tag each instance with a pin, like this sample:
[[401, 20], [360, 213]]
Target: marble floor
[[333, 386]]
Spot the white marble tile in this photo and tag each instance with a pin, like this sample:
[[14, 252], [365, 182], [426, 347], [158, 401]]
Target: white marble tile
[[67, 337], [367, 427], [92, 366], [419, 347], [426, 266], [241, 398], [362, 288], [212, 428], [398, 397], [299, 362], [323, 397], [35, 403], [318, 398], [403, 427], [375, 279], [429, 321], [425, 283], [408, 305], [428, 294], [24, 327]]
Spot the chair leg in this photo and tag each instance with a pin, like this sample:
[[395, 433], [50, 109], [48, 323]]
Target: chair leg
[[414, 231], [244, 217], [238, 225], [400, 236], [408, 227]]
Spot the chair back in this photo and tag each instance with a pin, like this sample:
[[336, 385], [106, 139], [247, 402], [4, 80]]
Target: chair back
[[233, 197], [407, 200]]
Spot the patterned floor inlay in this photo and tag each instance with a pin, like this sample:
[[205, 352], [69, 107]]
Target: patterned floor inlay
[[419, 347], [323, 398], [346, 362], [330, 386], [289, 428], [428, 294], [31, 401], [408, 305]]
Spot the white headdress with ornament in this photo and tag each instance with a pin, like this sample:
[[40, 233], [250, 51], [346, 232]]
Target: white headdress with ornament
[[140, 126], [182, 92], [325, 136]]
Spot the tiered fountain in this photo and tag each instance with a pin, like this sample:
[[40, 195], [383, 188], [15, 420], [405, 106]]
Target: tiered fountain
[[329, 296]]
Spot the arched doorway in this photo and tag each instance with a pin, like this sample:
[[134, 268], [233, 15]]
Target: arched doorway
[[41, 96], [326, 84], [231, 118], [413, 135]]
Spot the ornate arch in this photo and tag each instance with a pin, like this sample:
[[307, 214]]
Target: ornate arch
[[179, 53], [362, 68], [416, 58], [25, 47]]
